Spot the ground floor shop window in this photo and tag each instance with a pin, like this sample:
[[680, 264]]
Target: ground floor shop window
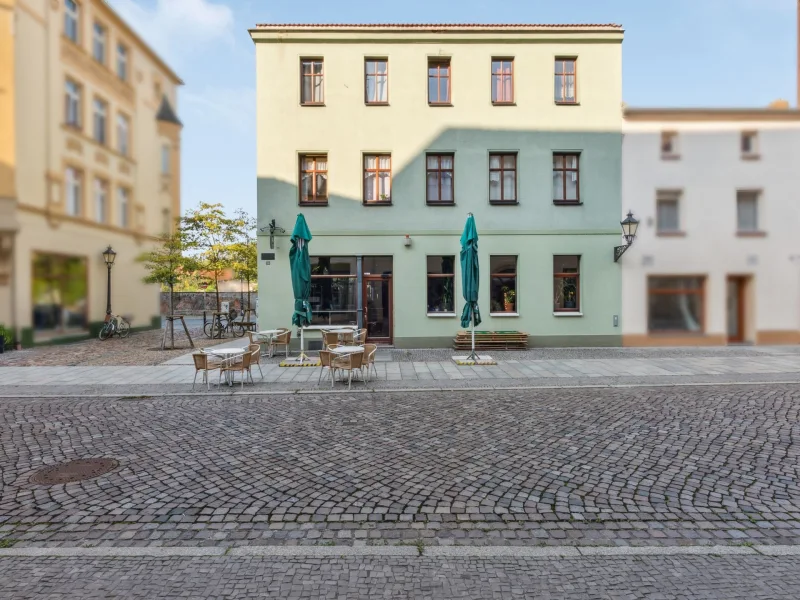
[[334, 298], [503, 285], [441, 284], [675, 304], [566, 283], [59, 293]]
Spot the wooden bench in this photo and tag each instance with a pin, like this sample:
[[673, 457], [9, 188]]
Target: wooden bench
[[491, 340]]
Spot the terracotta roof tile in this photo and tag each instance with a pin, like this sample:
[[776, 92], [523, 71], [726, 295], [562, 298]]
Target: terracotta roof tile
[[439, 25]]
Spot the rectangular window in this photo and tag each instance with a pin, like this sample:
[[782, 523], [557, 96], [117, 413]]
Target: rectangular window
[[71, 19], [749, 143], [73, 191], [439, 81], [312, 89], [441, 284], [123, 130], [122, 62], [72, 104], [376, 85], [675, 304], [101, 200], [314, 179], [334, 296], [123, 206], [99, 43], [503, 178], [503, 80], [439, 178], [668, 212], [747, 211], [165, 159], [377, 179], [566, 283], [565, 81], [503, 284], [100, 115], [669, 144], [166, 221], [59, 293], [566, 179]]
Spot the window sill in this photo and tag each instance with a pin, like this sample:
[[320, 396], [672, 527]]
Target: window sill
[[313, 203], [440, 203], [504, 103], [567, 313], [670, 157], [439, 104], [503, 314], [312, 104], [503, 202], [376, 104], [751, 234], [567, 203], [441, 315], [376, 203], [567, 103], [671, 234], [751, 157]]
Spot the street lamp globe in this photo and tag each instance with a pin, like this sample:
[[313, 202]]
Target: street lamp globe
[[629, 226], [109, 256]]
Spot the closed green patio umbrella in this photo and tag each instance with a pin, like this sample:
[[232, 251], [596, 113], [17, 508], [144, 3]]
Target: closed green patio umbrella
[[470, 276], [300, 265]]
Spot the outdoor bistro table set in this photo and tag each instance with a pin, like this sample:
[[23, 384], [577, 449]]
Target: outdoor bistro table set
[[347, 350]]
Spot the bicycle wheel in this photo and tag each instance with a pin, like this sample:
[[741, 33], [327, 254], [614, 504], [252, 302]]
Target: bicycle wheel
[[217, 329], [106, 331], [124, 328], [237, 329], [207, 328]]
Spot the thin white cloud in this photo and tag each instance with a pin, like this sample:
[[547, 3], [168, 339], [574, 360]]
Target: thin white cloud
[[236, 107], [176, 28]]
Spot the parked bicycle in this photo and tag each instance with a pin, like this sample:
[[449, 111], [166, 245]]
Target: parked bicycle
[[224, 322], [115, 325]]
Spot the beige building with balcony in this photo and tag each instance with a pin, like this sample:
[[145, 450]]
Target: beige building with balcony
[[89, 157]]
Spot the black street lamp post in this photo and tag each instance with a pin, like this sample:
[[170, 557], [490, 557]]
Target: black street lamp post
[[109, 256], [629, 227]]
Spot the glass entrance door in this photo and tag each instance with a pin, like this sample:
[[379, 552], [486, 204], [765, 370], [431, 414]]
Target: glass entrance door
[[378, 308], [735, 302]]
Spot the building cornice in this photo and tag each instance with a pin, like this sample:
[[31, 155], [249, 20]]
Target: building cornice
[[710, 114]]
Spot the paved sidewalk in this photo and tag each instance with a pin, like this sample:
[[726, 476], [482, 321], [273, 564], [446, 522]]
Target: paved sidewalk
[[761, 363]]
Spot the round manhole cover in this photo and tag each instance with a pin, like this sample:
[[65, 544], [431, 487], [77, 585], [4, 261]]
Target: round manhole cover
[[74, 470]]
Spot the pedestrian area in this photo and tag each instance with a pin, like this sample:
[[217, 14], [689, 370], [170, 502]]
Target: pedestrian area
[[658, 366]]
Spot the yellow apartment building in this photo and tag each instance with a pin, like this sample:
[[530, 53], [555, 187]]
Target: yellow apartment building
[[89, 158]]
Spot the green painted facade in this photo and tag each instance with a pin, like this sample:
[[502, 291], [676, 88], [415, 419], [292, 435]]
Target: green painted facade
[[534, 231]]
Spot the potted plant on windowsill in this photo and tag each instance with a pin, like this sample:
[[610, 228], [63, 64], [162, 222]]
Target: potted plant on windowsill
[[508, 299], [569, 297]]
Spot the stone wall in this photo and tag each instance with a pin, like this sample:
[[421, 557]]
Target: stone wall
[[188, 303]]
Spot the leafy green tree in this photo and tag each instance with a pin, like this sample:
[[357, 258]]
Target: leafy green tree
[[167, 262], [245, 253], [211, 236]]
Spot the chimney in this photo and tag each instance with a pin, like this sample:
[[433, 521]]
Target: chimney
[[780, 104]]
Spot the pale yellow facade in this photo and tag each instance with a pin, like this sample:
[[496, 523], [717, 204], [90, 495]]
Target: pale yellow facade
[[128, 184]]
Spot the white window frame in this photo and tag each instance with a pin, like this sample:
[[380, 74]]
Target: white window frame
[[668, 196], [122, 61], [123, 206], [753, 135], [73, 196], [756, 195], [165, 158], [101, 200], [72, 20], [72, 91], [100, 121], [99, 42], [123, 134]]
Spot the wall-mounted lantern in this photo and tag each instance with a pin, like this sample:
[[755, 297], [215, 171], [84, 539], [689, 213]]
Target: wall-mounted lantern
[[273, 229], [629, 226], [407, 241]]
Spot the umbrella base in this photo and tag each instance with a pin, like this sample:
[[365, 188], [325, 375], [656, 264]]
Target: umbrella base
[[474, 359]]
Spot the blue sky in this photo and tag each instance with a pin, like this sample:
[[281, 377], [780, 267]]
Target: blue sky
[[676, 53]]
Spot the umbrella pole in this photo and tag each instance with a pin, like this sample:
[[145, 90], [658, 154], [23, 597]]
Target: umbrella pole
[[472, 355], [302, 356]]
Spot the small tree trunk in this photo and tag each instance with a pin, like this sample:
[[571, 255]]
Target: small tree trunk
[[216, 289]]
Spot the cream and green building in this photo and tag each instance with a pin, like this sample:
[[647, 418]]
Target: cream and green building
[[386, 136], [89, 157]]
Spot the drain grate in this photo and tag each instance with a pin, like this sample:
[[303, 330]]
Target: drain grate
[[74, 470]]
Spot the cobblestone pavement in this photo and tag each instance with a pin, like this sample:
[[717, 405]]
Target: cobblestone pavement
[[626, 466], [654, 578]]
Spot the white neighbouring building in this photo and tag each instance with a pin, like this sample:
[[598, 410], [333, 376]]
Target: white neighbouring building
[[717, 256]]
